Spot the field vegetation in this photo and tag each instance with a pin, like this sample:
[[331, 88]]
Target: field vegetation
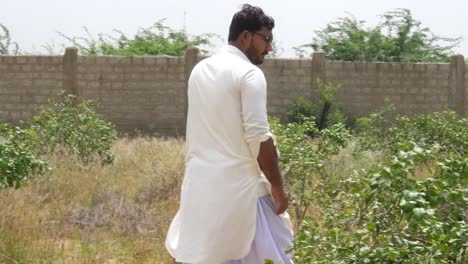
[[390, 189]]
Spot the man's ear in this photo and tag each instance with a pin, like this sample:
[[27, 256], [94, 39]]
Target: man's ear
[[245, 37]]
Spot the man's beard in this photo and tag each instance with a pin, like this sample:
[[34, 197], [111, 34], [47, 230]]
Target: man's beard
[[252, 54]]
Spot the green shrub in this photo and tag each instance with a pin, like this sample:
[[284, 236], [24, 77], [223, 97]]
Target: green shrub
[[72, 127], [379, 131], [303, 151], [373, 130], [326, 110], [384, 216], [447, 129], [65, 126], [17, 161], [390, 213]]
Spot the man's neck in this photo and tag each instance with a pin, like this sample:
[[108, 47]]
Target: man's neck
[[237, 45]]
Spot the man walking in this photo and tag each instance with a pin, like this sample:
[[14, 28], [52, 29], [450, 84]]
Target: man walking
[[232, 205]]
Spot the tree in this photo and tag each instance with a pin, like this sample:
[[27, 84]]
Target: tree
[[398, 38], [155, 40], [6, 43]]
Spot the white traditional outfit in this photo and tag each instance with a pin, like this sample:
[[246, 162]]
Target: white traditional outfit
[[225, 201]]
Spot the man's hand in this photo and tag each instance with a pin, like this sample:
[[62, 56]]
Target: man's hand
[[280, 198], [268, 162]]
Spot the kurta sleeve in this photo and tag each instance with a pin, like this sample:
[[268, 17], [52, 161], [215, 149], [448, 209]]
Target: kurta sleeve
[[254, 112]]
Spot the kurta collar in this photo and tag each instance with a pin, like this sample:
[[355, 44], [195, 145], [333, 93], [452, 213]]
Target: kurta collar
[[235, 50]]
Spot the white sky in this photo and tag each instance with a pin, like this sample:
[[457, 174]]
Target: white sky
[[34, 23]]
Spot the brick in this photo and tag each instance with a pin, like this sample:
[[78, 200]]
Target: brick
[[149, 60], [21, 59], [9, 59], [57, 59], [113, 60], [137, 60], [161, 61], [86, 59], [32, 60], [15, 68], [306, 63], [420, 67], [44, 59], [101, 60], [173, 61]]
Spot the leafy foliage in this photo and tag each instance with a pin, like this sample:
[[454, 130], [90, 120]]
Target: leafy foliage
[[398, 38], [384, 216], [409, 207], [325, 110], [381, 130], [17, 161], [74, 127], [65, 127], [304, 150], [446, 129], [372, 129], [155, 40]]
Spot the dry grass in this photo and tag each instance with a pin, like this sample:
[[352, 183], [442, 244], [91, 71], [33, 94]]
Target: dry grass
[[340, 167], [93, 213]]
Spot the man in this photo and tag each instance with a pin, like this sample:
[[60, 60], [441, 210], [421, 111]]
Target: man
[[226, 212]]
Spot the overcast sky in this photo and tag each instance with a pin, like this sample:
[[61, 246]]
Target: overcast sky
[[34, 23]]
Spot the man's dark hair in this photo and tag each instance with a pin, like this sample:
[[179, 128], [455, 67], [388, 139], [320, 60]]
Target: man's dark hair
[[250, 18]]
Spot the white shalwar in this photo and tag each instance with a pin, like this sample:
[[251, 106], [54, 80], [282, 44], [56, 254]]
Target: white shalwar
[[226, 122]]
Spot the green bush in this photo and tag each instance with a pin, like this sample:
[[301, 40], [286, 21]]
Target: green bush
[[384, 216], [303, 151], [301, 107], [73, 127], [326, 110], [17, 161], [65, 126], [374, 129], [409, 207], [447, 129], [380, 130]]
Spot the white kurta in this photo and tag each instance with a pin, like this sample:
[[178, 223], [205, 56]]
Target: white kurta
[[226, 122]]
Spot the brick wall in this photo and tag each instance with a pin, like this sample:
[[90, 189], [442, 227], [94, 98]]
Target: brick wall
[[287, 79], [26, 83], [149, 93], [136, 93], [413, 88]]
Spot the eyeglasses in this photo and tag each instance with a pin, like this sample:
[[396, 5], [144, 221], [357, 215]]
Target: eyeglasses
[[267, 39]]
